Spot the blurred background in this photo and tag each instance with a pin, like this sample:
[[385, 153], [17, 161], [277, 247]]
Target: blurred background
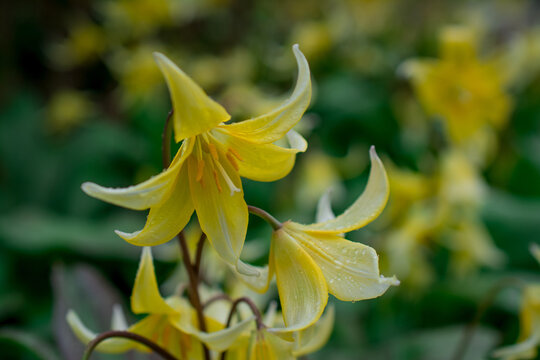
[[447, 91]]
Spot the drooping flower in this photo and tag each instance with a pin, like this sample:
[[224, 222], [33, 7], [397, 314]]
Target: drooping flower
[[205, 174], [467, 92], [171, 323], [311, 261], [271, 342]]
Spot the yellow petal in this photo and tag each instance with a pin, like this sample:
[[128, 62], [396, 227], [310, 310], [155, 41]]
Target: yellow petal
[[366, 208], [351, 269], [145, 194], [223, 214], [260, 162], [85, 335], [259, 282], [324, 208], [315, 337], [167, 219], [118, 320], [269, 346], [146, 297], [274, 125], [194, 111], [218, 340], [301, 285]]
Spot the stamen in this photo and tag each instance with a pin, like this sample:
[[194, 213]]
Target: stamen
[[235, 153], [200, 169], [213, 151], [228, 180], [232, 160], [217, 180]]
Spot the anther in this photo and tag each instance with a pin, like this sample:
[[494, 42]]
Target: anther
[[236, 154], [232, 160], [217, 180], [213, 151], [200, 169]]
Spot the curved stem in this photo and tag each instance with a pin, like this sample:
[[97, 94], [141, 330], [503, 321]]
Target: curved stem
[[484, 305], [126, 335], [274, 223], [198, 254], [216, 298], [254, 310], [166, 141], [252, 306], [193, 289]]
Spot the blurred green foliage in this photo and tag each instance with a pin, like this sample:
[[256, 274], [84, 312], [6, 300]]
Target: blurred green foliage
[[53, 237]]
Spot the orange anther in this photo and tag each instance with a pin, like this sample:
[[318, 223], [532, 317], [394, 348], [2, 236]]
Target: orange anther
[[213, 151], [216, 179], [236, 154], [200, 169], [232, 160]]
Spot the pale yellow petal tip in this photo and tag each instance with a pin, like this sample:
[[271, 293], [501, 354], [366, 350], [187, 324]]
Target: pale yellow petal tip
[[128, 236], [160, 58], [373, 153], [247, 270], [391, 281], [90, 188]]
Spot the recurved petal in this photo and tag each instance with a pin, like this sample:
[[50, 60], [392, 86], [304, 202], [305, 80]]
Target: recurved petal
[[324, 208], [194, 111], [301, 285], [274, 125], [351, 269], [145, 194], [259, 282], [260, 162], [366, 208], [221, 209], [118, 320], [85, 335], [166, 219], [314, 337], [146, 297]]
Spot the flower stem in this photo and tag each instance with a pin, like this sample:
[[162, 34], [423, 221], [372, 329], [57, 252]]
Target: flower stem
[[166, 141], [193, 289], [198, 254], [217, 298], [274, 223], [254, 310], [126, 335]]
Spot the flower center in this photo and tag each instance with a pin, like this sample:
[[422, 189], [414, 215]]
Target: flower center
[[208, 154]]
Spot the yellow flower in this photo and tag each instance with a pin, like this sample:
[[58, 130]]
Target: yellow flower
[[311, 261], [467, 92], [274, 343], [67, 109], [205, 174], [171, 323], [139, 16], [86, 42]]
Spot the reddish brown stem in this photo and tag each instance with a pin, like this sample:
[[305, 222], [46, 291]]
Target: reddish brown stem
[[127, 335], [193, 289]]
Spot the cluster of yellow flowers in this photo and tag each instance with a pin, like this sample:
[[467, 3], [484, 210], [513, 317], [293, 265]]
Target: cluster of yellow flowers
[[468, 96], [308, 261]]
